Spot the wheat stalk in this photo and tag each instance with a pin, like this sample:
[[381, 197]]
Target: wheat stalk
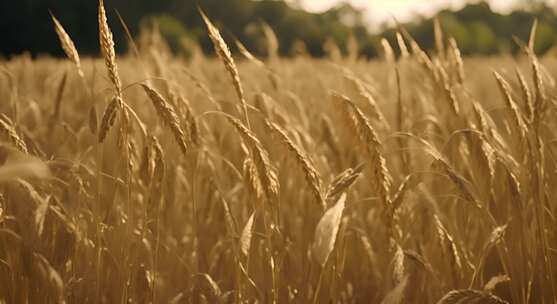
[[447, 239], [8, 131], [539, 101], [380, 174], [67, 44], [517, 115], [457, 59], [260, 156], [107, 49], [224, 54], [109, 117], [168, 116], [312, 176], [368, 98], [526, 95], [398, 265], [251, 177]]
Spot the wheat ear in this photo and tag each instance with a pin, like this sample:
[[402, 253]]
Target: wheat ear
[[67, 44], [224, 54], [312, 175], [168, 115]]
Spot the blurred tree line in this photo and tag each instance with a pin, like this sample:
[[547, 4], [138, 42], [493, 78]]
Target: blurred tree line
[[479, 30], [26, 25]]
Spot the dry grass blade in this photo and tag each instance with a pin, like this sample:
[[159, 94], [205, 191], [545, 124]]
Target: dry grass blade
[[469, 296], [168, 116], [59, 95], [496, 280], [271, 73], [214, 287], [326, 232], [532, 39], [67, 44], [40, 215], [131, 42], [312, 175], [107, 49], [93, 120], [224, 54], [229, 219], [245, 237], [249, 56]]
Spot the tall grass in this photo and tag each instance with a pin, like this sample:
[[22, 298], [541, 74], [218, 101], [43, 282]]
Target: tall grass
[[426, 178]]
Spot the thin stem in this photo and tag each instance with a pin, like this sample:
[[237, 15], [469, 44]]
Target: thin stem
[[319, 282]]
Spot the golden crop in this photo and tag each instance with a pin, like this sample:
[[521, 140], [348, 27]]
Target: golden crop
[[151, 179]]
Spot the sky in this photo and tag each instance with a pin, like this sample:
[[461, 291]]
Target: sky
[[379, 11]]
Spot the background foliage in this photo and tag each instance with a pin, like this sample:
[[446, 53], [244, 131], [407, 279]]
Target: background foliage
[[26, 25]]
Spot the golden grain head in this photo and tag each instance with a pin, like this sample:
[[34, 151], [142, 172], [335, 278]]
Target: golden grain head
[[107, 49], [470, 296], [109, 117], [168, 116], [67, 45]]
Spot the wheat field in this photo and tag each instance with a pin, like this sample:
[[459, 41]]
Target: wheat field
[[148, 178]]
